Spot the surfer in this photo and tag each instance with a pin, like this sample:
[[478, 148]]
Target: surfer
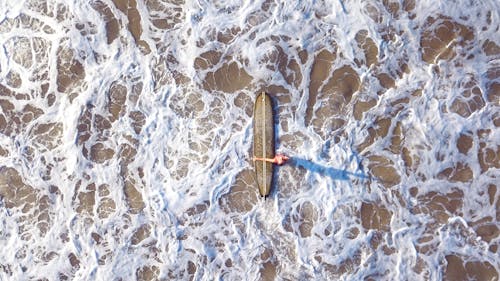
[[279, 159]]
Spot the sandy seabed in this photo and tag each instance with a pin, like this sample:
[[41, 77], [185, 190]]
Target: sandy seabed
[[126, 140]]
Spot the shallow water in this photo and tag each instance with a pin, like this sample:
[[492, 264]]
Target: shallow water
[[126, 135]]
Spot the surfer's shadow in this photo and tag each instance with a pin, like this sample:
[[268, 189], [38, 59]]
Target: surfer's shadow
[[333, 173]]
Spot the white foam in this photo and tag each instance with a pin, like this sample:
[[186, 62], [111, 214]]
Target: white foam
[[178, 176]]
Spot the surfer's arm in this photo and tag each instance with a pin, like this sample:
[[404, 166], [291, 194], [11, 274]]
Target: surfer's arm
[[279, 159], [264, 159]]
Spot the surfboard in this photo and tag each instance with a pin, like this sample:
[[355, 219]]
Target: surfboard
[[263, 142]]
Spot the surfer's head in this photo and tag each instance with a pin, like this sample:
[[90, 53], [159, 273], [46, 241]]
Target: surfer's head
[[280, 159]]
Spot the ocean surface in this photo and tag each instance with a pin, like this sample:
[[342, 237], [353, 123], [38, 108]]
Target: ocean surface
[[126, 140]]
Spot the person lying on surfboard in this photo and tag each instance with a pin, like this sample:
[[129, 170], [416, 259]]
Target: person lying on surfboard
[[279, 159]]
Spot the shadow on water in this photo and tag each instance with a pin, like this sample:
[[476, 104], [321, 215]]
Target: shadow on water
[[335, 174]]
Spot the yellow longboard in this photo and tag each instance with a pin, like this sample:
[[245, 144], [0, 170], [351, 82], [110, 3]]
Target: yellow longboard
[[263, 142]]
